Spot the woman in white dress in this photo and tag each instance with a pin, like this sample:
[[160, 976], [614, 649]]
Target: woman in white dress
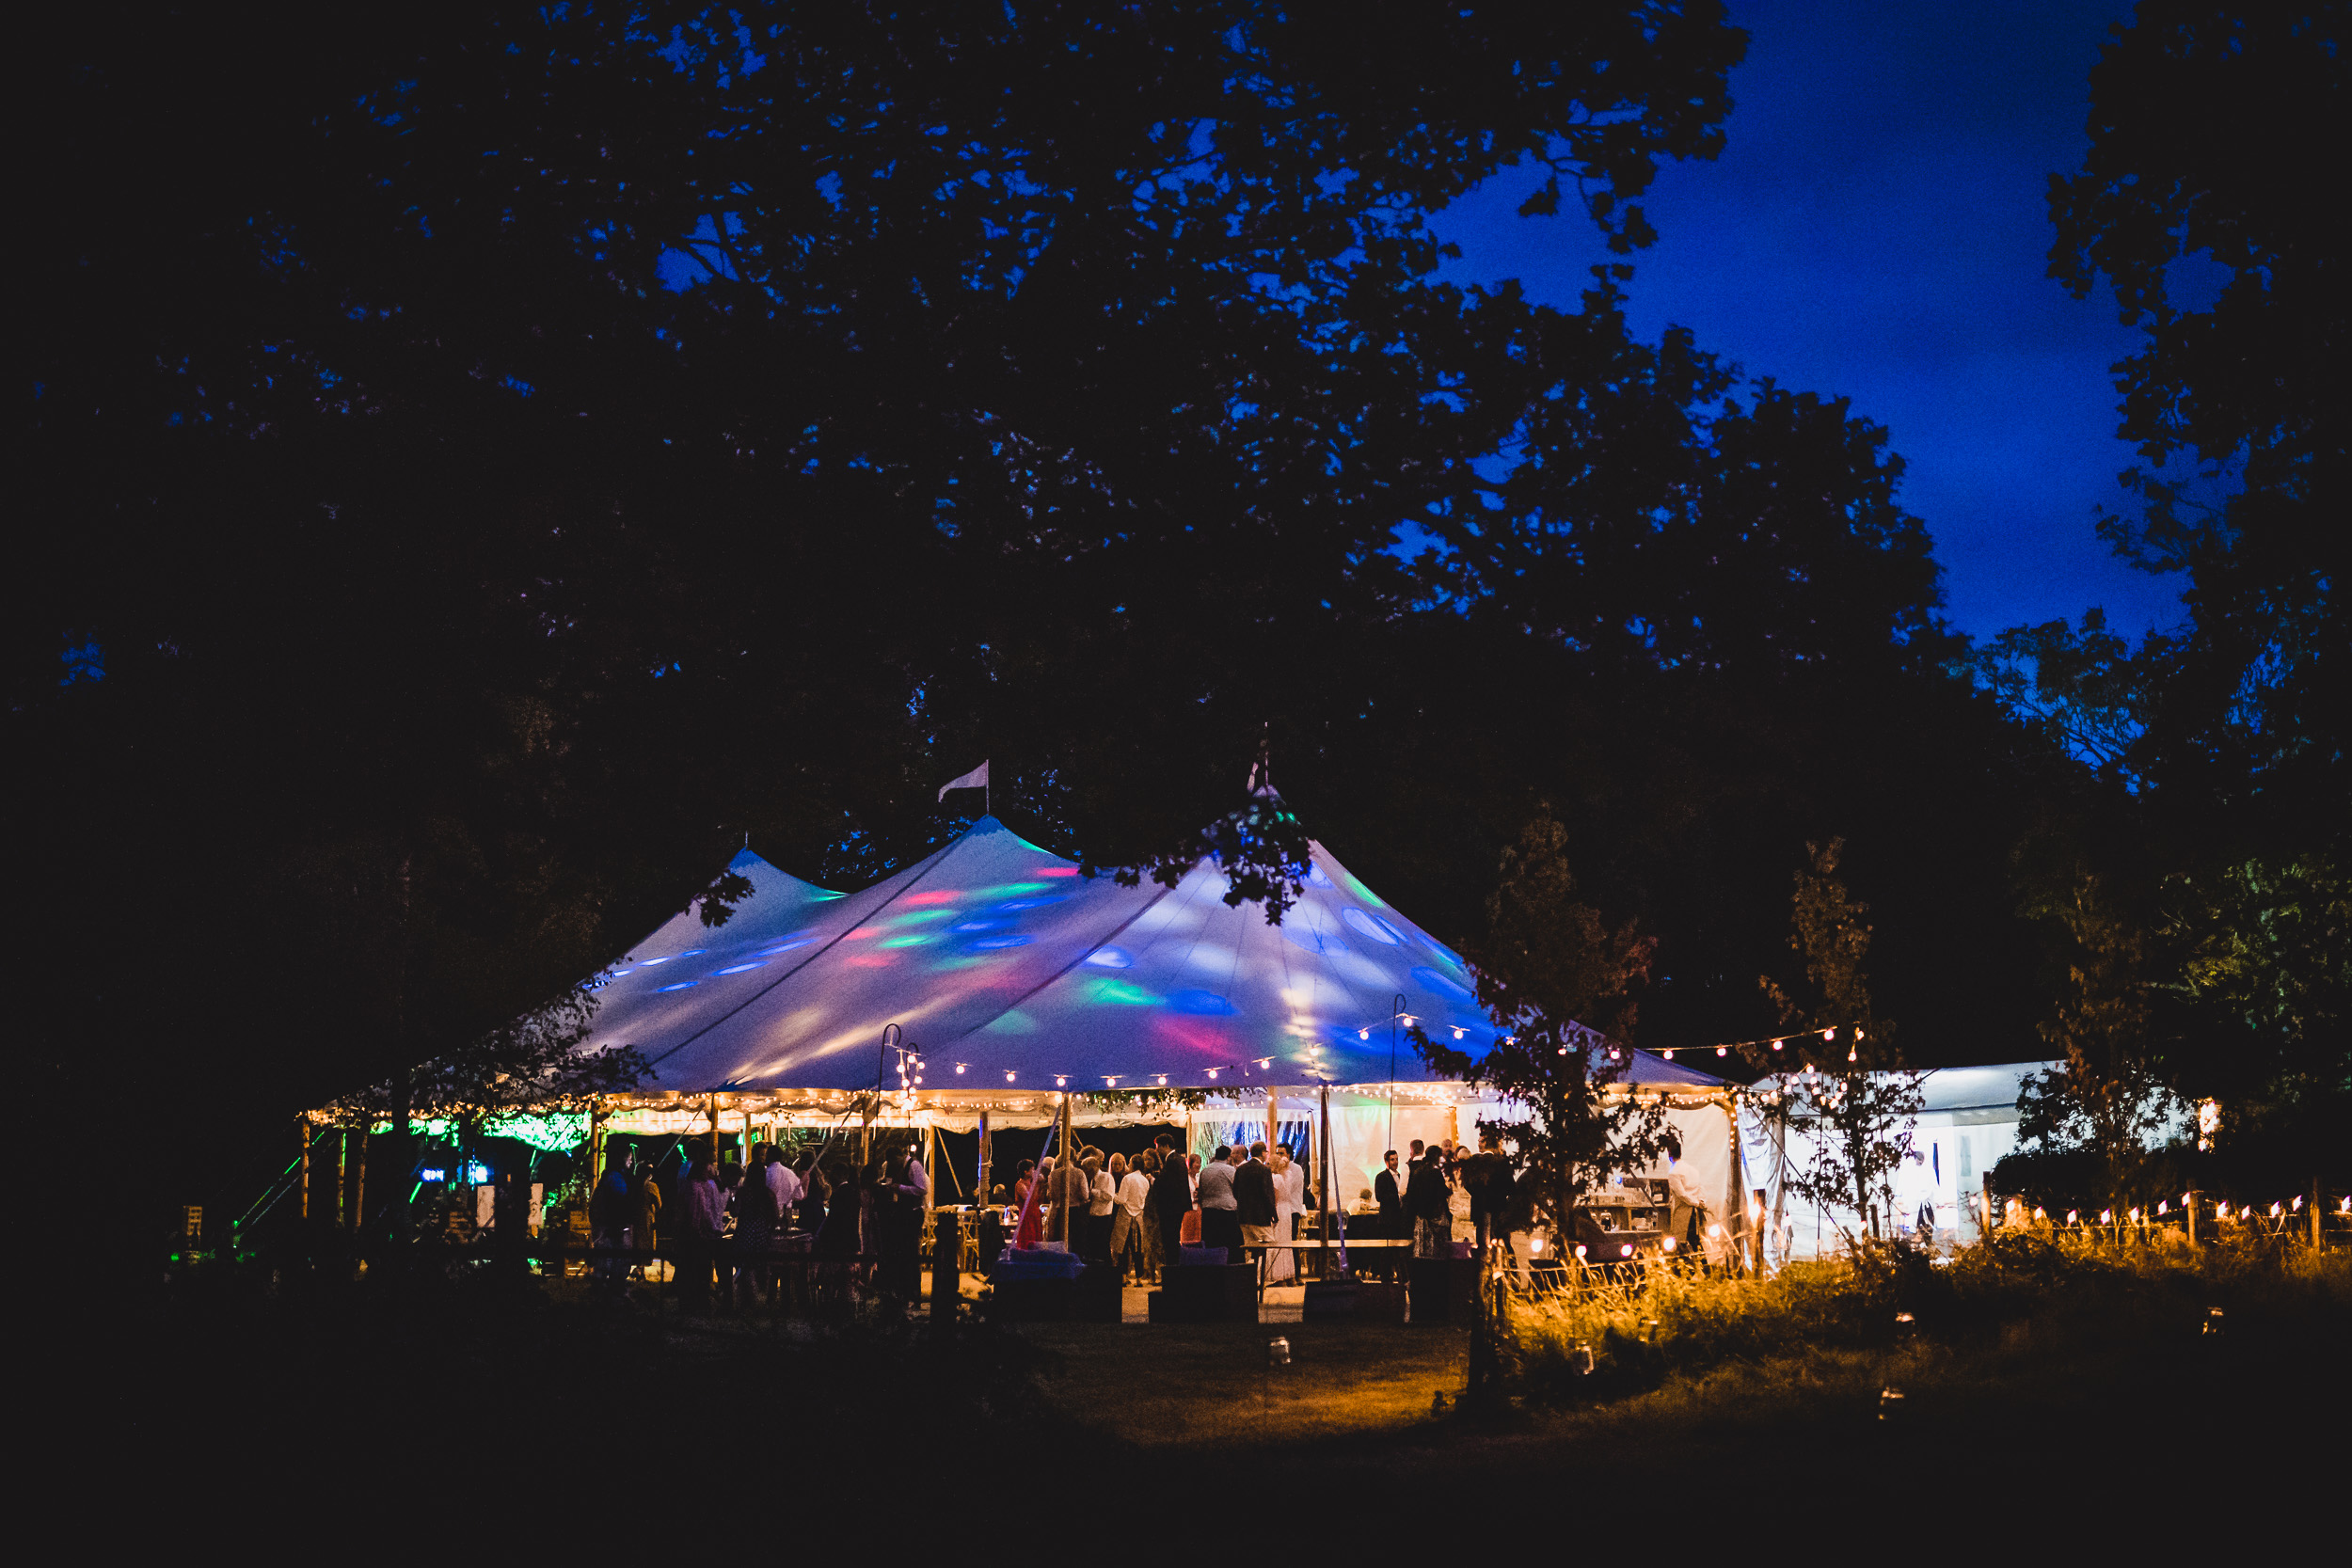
[[1290, 1193]]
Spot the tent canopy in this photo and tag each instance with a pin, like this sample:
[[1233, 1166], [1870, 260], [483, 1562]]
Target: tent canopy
[[995, 955]]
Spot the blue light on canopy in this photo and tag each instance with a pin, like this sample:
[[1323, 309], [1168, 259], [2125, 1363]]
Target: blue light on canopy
[[1084, 978]]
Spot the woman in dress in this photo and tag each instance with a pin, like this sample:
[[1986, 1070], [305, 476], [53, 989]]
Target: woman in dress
[[1290, 1187]]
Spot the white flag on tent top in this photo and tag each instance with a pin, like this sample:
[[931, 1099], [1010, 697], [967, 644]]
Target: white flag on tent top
[[976, 779]]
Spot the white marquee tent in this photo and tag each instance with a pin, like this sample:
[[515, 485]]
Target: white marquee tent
[[1013, 981]]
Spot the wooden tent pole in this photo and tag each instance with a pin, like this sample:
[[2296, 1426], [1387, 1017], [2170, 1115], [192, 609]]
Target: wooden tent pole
[[304, 1124]]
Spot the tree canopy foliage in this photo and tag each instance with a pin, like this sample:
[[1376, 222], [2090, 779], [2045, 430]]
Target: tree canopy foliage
[[2194, 896], [483, 466]]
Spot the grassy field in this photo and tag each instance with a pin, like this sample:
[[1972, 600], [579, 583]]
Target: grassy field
[[2077, 1387]]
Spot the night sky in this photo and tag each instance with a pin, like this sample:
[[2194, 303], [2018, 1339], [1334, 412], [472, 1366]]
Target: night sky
[[1877, 229]]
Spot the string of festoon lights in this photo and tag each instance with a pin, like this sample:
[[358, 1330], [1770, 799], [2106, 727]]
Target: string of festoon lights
[[1777, 1043], [1112, 1081], [1575, 1036], [2245, 1212]]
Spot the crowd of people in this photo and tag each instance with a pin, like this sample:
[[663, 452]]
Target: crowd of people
[[1138, 1213], [740, 1233], [733, 1231]]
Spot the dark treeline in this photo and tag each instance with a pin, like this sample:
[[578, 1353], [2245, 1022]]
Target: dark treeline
[[478, 469]]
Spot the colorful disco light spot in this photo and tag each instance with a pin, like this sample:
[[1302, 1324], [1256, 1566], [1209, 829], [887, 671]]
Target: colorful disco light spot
[[864, 932], [682, 985], [958, 961], [914, 939], [1357, 888], [918, 916], [1195, 1033], [1200, 1004], [785, 947], [1315, 877], [871, 960], [980, 924], [1440, 948], [1010, 890], [1111, 957], [1056, 871], [1119, 994], [1372, 925], [737, 968], [1299, 934], [1038, 903], [1012, 1022], [1010, 939], [1443, 985], [650, 962], [937, 896]]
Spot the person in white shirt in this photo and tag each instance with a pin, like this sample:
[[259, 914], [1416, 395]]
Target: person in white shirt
[[1102, 1198], [1127, 1249], [785, 1182], [1686, 1219]]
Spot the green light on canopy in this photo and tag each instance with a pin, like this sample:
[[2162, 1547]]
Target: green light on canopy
[[559, 1134]]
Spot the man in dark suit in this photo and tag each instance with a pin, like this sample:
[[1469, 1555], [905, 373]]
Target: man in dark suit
[[1253, 1198], [1427, 1197], [1391, 1226], [1172, 1199]]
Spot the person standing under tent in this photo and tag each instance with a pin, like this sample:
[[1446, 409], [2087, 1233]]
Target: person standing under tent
[[1102, 1198], [1220, 1216], [705, 1222], [1025, 1175], [1428, 1199], [1391, 1225], [905, 1201], [1172, 1200], [1128, 1224], [1687, 1210], [815, 1191], [1290, 1195], [1253, 1197], [784, 1184], [608, 1219], [1487, 1176], [756, 1218], [644, 1214]]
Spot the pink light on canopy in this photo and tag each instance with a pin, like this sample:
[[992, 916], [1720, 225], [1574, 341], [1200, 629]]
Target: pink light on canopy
[[995, 953]]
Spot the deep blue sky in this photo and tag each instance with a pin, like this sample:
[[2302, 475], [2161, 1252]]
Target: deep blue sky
[[1878, 229]]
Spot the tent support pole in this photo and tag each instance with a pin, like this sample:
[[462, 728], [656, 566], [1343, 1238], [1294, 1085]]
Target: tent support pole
[[304, 1125], [360, 1183], [1734, 1199], [982, 1192]]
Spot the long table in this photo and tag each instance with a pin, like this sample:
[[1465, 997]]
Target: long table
[[1265, 1250]]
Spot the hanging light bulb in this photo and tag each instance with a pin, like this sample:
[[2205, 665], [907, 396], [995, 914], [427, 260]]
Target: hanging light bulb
[[1670, 1053], [1007, 1075], [1061, 1080], [1363, 1034], [1722, 1050], [1828, 1035], [1215, 1070], [1777, 1045], [1458, 1033], [1163, 1080], [960, 1066], [1851, 1054]]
